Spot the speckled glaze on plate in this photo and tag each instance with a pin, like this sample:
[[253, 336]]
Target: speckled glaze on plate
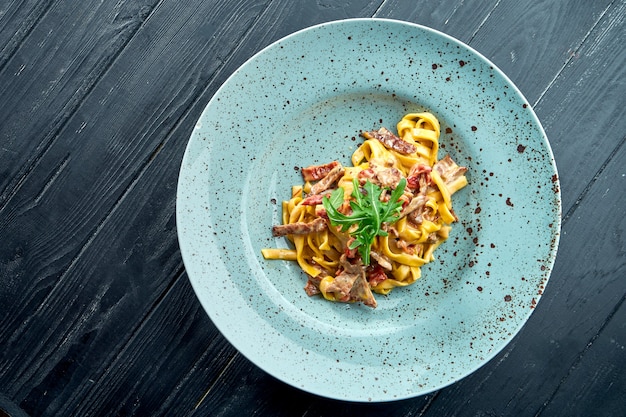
[[302, 101]]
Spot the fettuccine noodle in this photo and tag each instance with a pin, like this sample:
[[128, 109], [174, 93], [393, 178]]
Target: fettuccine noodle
[[322, 250]]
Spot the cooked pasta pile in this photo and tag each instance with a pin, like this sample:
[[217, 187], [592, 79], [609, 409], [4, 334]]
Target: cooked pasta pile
[[339, 260]]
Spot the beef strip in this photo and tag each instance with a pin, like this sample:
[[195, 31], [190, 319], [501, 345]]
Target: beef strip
[[391, 141], [312, 200], [351, 284], [387, 177], [299, 228], [317, 172], [448, 169], [311, 289], [329, 179], [416, 204], [419, 178]]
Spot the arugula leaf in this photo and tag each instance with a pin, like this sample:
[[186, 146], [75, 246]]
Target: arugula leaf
[[368, 213]]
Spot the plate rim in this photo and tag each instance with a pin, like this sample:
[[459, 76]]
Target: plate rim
[[557, 215]]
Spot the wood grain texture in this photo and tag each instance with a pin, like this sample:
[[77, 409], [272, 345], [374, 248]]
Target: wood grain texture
[[583, 110], [596, 374], [97, 101], [579, 298], [458, 18], [121, 103], [17, 20], [79, 298], [58, 62], [536, 39]]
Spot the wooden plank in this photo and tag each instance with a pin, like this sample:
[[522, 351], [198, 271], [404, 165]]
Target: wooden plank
[[535, 39], [570, 50], [17, 20], [237, 378], [246, 390], [458, 18], [91, 289], [283, 18], [234, 379], [583, 293], [508, 377], [254, 393], [568, 316], [583, 109], [73, 355], [78, 181], [518, 380], [59, 224], [152, 374], [52, 63], [196, 385], [596, 375]]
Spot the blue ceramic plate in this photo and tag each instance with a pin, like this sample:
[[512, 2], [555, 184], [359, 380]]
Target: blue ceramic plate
[[302, 101]]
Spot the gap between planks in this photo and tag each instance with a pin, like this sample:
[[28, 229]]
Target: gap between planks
[[581, 355], [193, 103], [10, 191], [26, 29], [144, 167], [593, 180], [573, 53]]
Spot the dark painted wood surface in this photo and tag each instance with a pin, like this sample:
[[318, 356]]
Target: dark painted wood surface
[[97, 102]]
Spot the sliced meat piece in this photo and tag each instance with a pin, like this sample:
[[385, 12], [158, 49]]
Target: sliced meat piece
[[419, 178], [389, 177], [361, 292], [331, 177], [317, 172], [376, 275], [351, 284], [416, 205], [312, 286], [352, 268], [341, 286], [311, 289], [367, 175], [406, 247], [351, 288], [391, 141], [448, 169], [299, 228], [321, 212], [312, 200], [393, 231], [382, 176], [432, 238], [424, 213], [381, 259]]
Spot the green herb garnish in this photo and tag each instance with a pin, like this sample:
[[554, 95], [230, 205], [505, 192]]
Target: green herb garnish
[[368, 213]]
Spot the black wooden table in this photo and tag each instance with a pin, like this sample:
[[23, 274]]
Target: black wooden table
[[97, 102]]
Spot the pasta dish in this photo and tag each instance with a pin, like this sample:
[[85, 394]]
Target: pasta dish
[[370, 227]]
